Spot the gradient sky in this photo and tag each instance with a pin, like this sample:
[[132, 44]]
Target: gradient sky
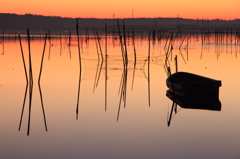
[[209, 9]]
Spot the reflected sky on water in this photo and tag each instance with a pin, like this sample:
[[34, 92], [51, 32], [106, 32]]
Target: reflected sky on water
[[104, 127]]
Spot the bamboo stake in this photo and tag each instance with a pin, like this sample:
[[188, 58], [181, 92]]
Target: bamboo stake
[[121, 43], [30, 60], [24, 64], [60, 43], [176, 63], [80, 70], [96, 75], [182, 41], [106, 62], [125, 43], [3, 42], [135, 58], [99, 45], [126, 65], [149, 67], [40, 72], [31, 83]]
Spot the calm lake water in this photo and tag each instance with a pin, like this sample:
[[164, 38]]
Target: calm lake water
[[47, 126]]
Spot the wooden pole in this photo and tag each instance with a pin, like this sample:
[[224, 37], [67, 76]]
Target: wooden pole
[[106, 62], [3, 42], [149, 45], [80, 69], [40, 72], [31, 83], [176, 63], [24, 64]]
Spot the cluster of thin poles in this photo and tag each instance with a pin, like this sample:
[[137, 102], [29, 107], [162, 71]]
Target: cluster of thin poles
[[218, 36]]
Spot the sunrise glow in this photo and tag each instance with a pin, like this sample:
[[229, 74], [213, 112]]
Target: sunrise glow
[[209, 9]]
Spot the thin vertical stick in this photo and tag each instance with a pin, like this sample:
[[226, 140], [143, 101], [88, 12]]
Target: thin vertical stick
[[49, 51], [99, 72], [24, 64], [49, 37], [96, 75], [125, 44], [79, 51], [60, 43], [125, 86], [170, 117], [123, 91], [176, 63], [3, 42], [119, 107], [31, 83], [69, 38], [169, 35], [99, 45], [60, 38], [149, 42], [80, 70], [126, 67], [182, 42], [121, 43], [30, 60], [30, 108], [79, 87], [135, 58], [43, 111], [23, 106], [106, 62], [20, 123], [134, 49], [40, 72]]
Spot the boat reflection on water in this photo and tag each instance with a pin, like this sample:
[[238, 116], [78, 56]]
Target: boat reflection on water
[[195, 102], [192, 102], [191, 91]]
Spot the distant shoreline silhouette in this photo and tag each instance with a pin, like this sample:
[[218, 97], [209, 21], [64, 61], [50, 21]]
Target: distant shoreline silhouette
[[39, 22]]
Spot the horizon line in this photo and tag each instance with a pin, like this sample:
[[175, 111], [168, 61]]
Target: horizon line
[[121, 18]]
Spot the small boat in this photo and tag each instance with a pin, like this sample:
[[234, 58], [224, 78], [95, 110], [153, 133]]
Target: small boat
[[188, 85]]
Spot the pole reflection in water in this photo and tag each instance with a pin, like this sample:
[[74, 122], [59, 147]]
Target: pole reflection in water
[[78, 96], [23, 106], [30, 107], [29, 89], [43, 111]]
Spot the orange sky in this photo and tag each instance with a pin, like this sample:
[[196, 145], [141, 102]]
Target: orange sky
[[211, 9]]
